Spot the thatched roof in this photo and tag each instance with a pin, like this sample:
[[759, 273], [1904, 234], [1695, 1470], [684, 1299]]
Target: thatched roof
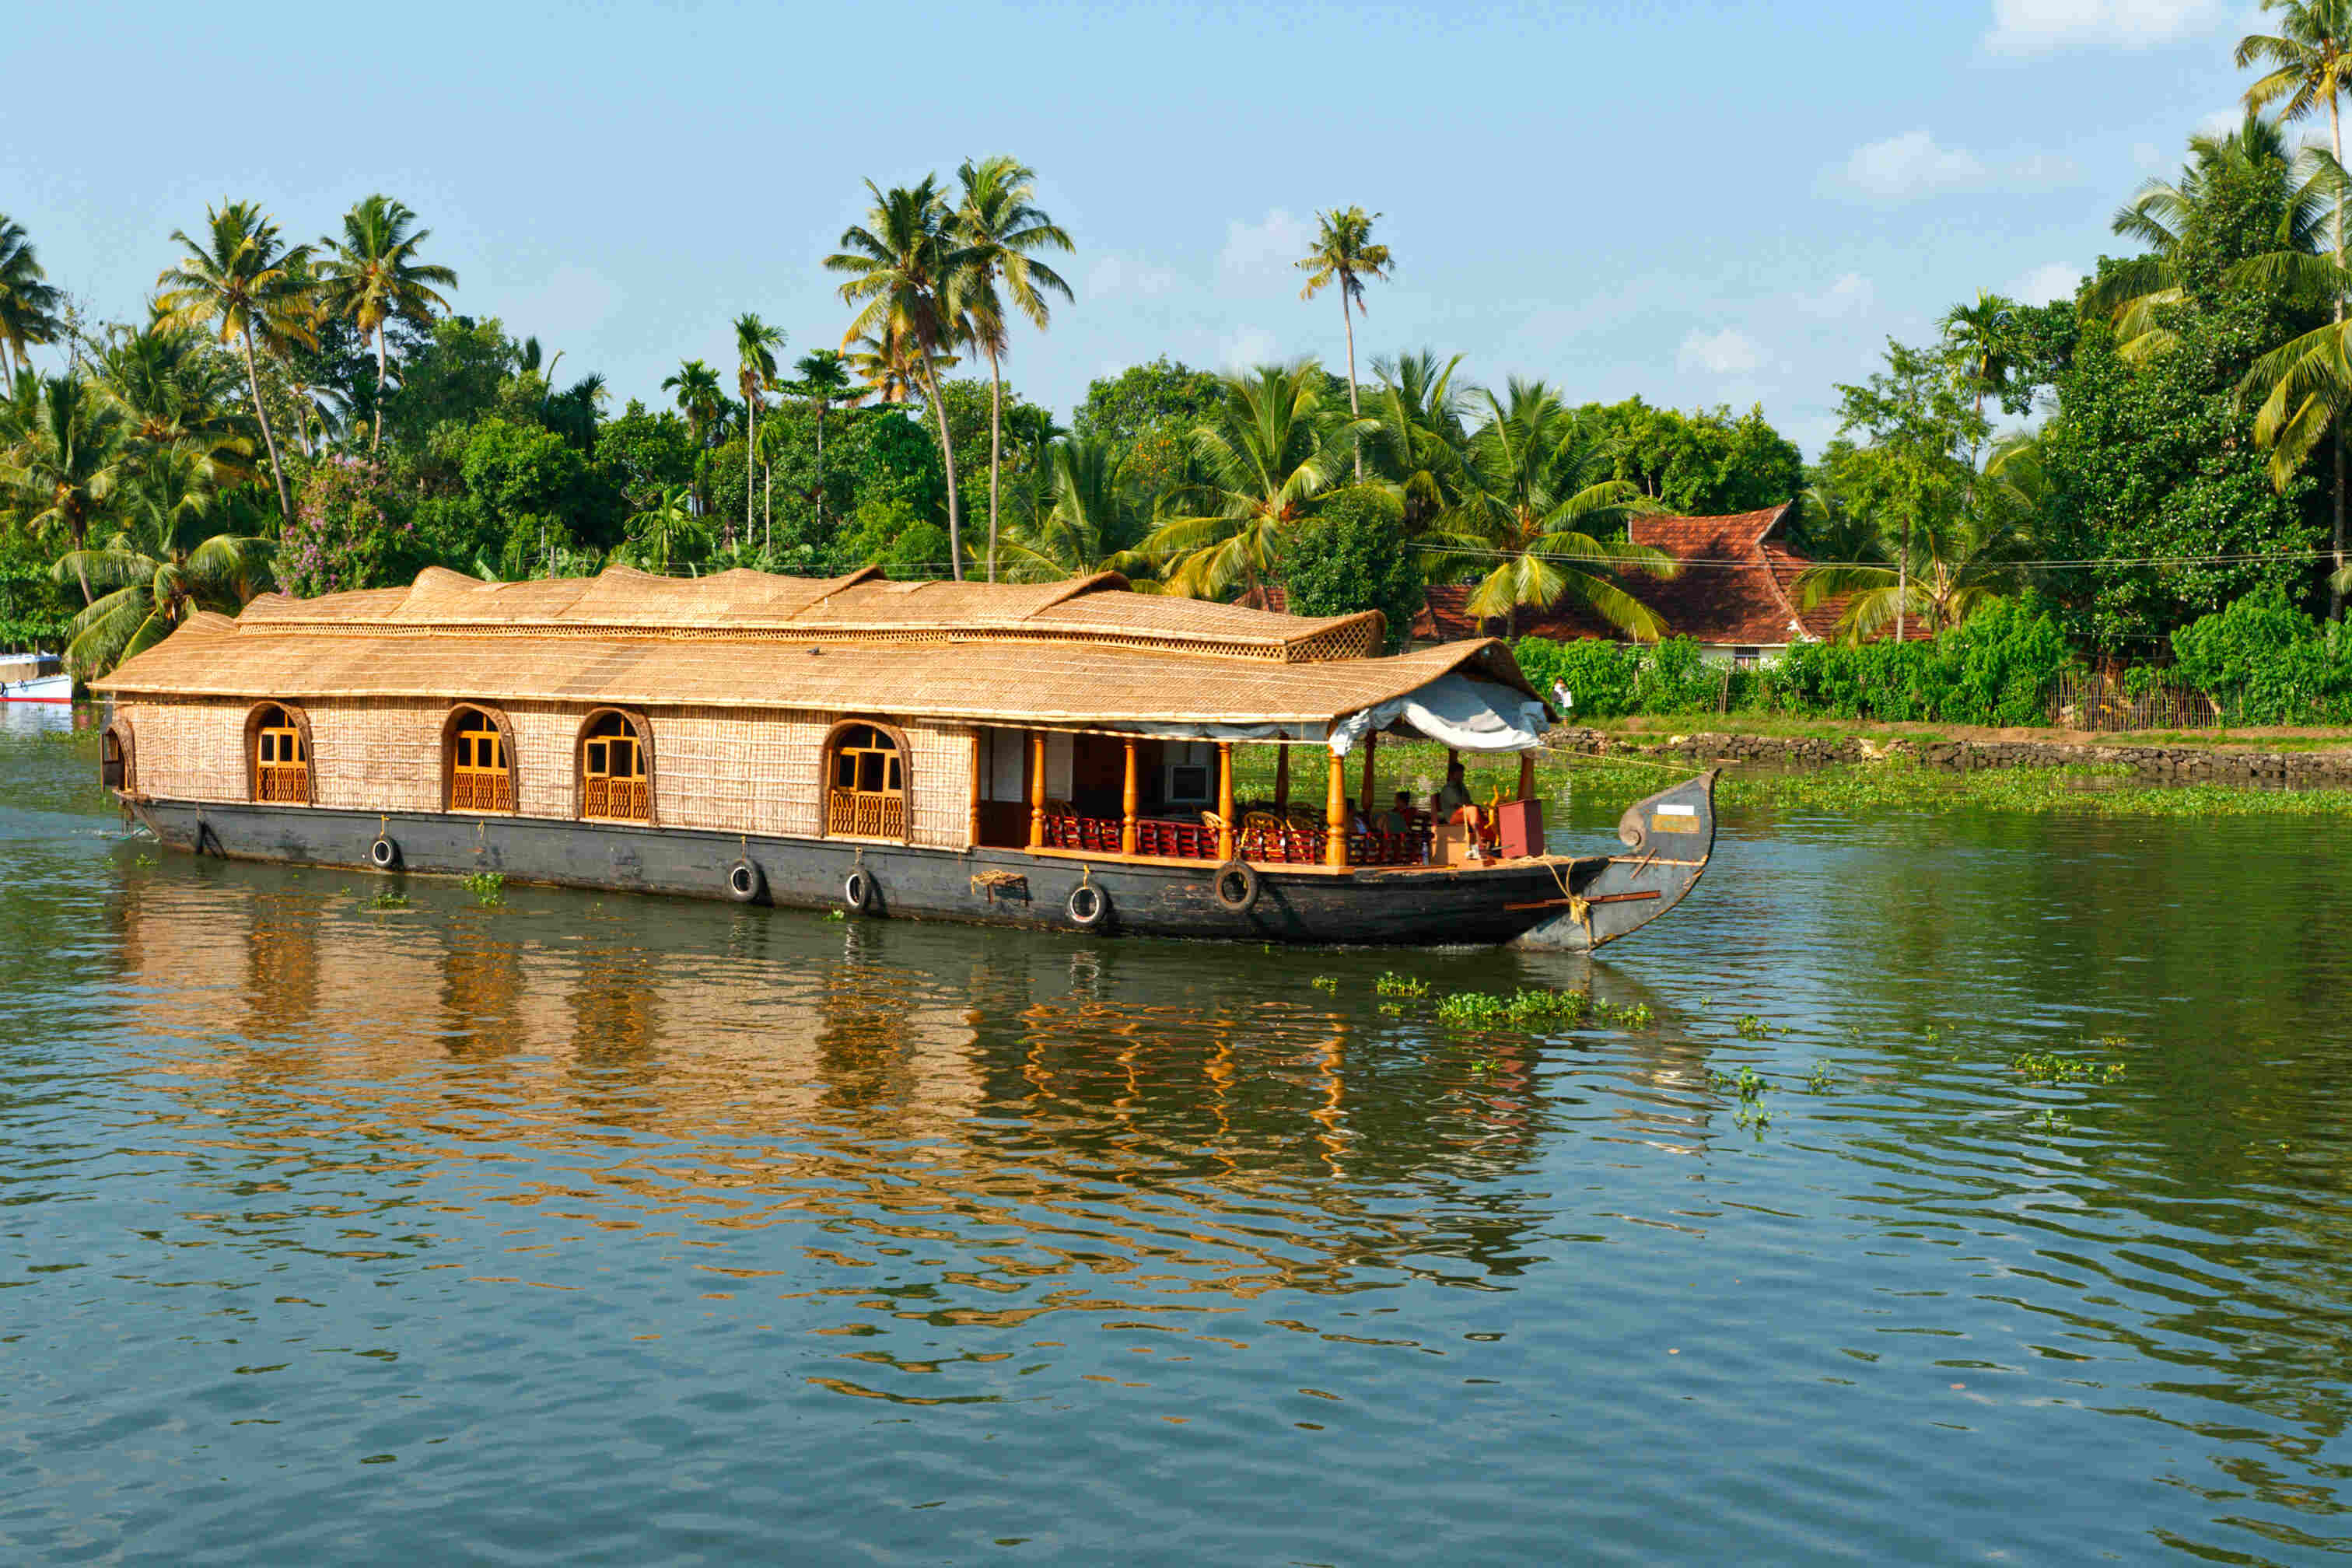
[[1075, 653]]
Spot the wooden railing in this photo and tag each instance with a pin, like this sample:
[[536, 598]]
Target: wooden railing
[[857, 813], [1176, 840], [282, 783], [481, 792], [623, 800]]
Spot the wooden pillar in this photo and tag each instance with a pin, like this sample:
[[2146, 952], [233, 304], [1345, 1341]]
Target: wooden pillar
[[1225, 835], [1036, 789], [1527, 775], [1335, 811], [1127, 801], [1364, 795], [972, 829], [1281, 778]]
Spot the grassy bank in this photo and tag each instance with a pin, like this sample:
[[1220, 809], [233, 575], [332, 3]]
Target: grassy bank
[[1635, 731]]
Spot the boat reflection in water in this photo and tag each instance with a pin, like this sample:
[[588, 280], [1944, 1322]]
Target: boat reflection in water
[[629, 1063]]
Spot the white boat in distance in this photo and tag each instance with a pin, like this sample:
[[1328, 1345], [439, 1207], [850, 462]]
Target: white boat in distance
[[34, 678]]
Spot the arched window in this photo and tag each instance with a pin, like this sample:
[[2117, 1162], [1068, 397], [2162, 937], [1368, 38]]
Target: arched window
[[865, 783], [480, 757], [615, 768], [278, 744], [118, 766]]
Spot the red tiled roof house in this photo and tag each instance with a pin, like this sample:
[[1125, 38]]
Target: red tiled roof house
[[1735, 596]]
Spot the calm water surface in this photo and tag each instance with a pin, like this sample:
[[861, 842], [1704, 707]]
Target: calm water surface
[[624, 1230]]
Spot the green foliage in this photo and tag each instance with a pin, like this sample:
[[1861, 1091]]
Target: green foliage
[[33, 606], [489, 887], [454, 375], [1351, 555], [2045, 1066], [1145, 397], [523, 475], [2266, 662], [1699, 464], [344, 532], [641, 455]]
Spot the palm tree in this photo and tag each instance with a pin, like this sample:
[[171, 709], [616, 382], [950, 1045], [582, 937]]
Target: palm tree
[[1419, 445], [889, 365], [756, 344], [823, 381], [1090, 524], [244, 280], [909, 273], [1344, 254], [1000, 226], [67, 468], [372, 275], [28, 304], [698, 397], [1268, 453], [667, 531], [176, 393], [1953, 564], [1978, 335], [1537, 490], [160, 570]]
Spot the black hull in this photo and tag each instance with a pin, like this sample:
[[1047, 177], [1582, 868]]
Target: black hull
[[1422, 906]]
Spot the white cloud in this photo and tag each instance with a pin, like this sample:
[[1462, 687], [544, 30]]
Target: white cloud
[[1914, 164], [1851, 295], [1265, 249], [1247, 348], [2042, 26], [1726, 352], [2051, 280], [1113, 273]]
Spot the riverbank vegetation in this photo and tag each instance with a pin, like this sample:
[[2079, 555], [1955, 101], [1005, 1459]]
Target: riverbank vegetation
[[2170, 492]]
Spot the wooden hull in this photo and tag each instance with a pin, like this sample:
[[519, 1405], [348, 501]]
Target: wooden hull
[[1418, 906]]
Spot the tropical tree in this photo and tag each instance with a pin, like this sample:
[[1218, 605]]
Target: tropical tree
[[28, 302], [1979, 336], [1962, 557], [1420, 441], [890, 366], [242, 280], [1268, 453], [177, 392], [372, 274], [1919, 419], [1090, 524], [160, 570], [1344, 254], [667, 532], [698, 397], [909, 273], [1539, 498], [756, 344], [823, 381], [65, 468], [1000, 227]]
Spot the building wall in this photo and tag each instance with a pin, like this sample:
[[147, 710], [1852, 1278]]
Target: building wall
[[713, 768]]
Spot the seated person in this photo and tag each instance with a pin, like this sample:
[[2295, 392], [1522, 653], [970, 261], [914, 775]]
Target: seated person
[[1452, 796], [1398, 818], [1355, 822]]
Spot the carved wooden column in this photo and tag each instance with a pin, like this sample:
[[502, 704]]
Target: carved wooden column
[[1335, 811], [1128, 803], [1036, 789], [1281, 778], [1364, 795]]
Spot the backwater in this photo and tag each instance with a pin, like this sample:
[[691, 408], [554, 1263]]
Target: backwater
[[600, 1229]]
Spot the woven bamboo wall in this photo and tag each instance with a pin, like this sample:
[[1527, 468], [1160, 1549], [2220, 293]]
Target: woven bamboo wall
[[714, 768]]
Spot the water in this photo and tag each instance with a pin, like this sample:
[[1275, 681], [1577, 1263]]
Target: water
[[615, 1230]]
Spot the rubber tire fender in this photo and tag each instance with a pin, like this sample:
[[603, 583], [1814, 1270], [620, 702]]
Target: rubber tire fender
[[744, 883], [1236, 885], [1088, 907], [858, 893], [385, 854]]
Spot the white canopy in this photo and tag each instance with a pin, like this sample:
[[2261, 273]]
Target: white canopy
[[1457, 710]]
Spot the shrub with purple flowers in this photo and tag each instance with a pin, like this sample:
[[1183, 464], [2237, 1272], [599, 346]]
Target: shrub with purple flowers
[[346, 532]]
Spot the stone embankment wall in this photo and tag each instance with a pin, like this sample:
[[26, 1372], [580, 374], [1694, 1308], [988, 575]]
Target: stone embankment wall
[[2179, 764]]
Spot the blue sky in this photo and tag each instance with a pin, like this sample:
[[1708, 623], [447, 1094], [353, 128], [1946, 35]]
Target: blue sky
[[1700, 203]]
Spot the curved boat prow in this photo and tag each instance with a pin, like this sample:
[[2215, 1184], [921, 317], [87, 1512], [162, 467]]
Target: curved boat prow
[[1669, 837]]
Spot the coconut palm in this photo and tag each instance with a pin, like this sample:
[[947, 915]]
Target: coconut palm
[[66, 466], [909, 273], [1419, 444], [175, 391], [242, 279], [756, 344], [667, 532], [1268, 451], [1978, 336], [1958, 561], [1536, 493], [823, 381], [372, 275], [29, 303], [1344, 254], [1001, 225], [890, 366], [698, 397], [1090, 525], [163, 568]]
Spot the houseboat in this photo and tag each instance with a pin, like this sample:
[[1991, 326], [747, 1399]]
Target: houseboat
[[1057, 754], [34, 678]]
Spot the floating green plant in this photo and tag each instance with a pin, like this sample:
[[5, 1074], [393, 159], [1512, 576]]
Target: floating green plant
[[1820, 1079], [2041, 1066], [489, 887], [1391, 983], [387, 899], [1326, 982], [836, 914], [1527, 1010], [1750, 1027]]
